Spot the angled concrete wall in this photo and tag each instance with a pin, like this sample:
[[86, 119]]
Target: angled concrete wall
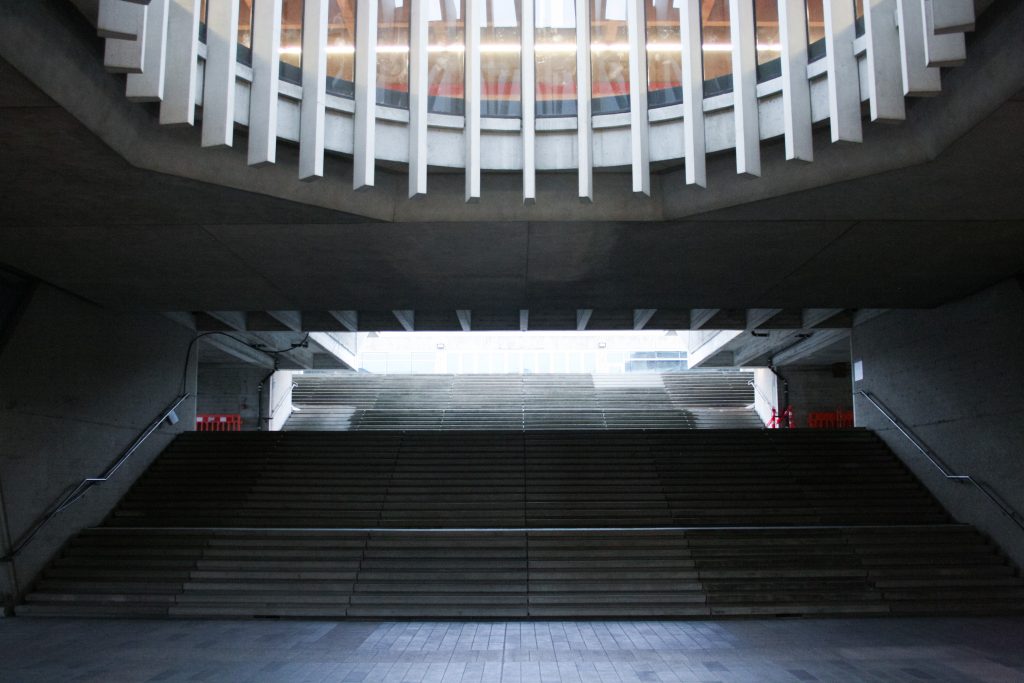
[[955, 375], [77, 384]]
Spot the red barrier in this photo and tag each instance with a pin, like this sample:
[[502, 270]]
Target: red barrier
[[837, 419], [783, 420], [218, 423]]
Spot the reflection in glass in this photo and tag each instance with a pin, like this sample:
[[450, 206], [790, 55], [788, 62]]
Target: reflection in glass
[[499, 58], [245, 32], [609, 56], [664, 53], [766, 18], [446, 55], [341, 47], [815, 29], [555, 48], [858, 13], [393, 53], [202, 21], [717, 47], [291, 41]]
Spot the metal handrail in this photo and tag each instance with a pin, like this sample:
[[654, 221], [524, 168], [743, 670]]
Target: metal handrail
[[87, 483], [753, 385], [938, 464]]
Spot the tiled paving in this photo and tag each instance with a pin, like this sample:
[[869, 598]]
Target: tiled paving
[[961, 650]]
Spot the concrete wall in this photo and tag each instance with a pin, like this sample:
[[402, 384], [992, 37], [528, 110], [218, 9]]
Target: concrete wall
[[231, 389], [816, 389], [234, 389], [77, 385], [955, 375]]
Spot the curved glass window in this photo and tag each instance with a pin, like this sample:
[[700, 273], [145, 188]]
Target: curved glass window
[[716, 43], [769, 51], [664, 53], [202, 21], [341, 48], [555, 48], [815, 29], [245, 32], [446, 56], [393, 53], [500, 49], [291, 41], [609, 56]]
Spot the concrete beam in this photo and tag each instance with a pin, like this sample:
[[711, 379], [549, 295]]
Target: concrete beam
[[233, 319], [334, 348], [952, 16], [815, 316], [756, 317], [809, 346], [642, 316], [238, 350], [705, 350], [290, 319], [701, 316], [407, 319], [350, 319], [583, 317]]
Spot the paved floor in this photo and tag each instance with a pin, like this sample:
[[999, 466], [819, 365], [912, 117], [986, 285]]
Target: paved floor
[[984, 649]]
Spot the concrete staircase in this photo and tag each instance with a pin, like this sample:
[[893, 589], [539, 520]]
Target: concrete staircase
[[699, 399], [616, 524]]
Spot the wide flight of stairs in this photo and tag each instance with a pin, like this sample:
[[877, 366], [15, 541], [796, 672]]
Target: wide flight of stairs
[[616, 524], [697, 399]]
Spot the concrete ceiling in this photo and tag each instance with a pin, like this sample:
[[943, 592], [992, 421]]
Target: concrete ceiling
[[77, 215]]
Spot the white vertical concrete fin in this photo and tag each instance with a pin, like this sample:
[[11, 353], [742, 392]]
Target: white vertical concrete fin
[[314, 89], [885, 82], [952, 16], [947, 49], [744, 87], [219, 77], [418, 99], [473, 93], [266, 55], [694, 145], [179, 103], [119, 20], [528, 96], [796, 90], [639, 127], [584, 120], [149, 85], [918, 78], [365, 120], [127, 55], [843, 74]]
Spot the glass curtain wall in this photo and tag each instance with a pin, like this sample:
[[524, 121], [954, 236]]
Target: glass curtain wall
[[664, 53], [393, 53], [341, 47], [769, 51], [245, 32], [446, 56], [717, 47], [555, 48], [291, 41], [815, 29], [609, 56], [500, 67], [858, 12]]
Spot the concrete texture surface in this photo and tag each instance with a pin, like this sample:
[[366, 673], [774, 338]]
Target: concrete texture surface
[[953, 375], [78, 383]]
